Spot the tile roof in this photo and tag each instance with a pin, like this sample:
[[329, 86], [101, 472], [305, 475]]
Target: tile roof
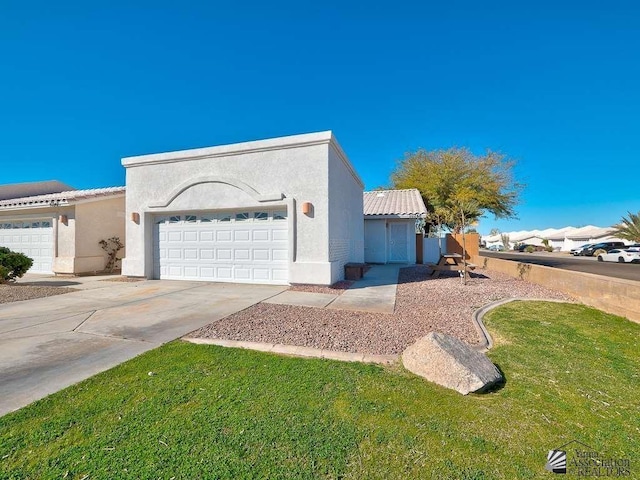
[[30, 189], [394, 202], [590, 231], [60, 198], [561, 233]]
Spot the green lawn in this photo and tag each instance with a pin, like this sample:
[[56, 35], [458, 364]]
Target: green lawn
[[208, 412]]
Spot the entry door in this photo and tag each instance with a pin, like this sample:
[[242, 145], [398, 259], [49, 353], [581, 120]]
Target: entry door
[[398, 246]]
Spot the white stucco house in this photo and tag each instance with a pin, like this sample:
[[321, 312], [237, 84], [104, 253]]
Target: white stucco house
[[276, 211], [60, 228], [588, 234], [560, 239], [557, 238], [389, 225]]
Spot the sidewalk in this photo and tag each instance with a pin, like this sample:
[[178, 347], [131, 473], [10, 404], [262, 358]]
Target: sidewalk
[[376, 293]]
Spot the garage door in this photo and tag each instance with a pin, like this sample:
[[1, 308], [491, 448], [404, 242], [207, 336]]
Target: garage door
[[34, 238], [239, 246]]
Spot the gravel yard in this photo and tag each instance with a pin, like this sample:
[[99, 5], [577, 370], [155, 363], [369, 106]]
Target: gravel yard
[[423, 304], [17, 292]]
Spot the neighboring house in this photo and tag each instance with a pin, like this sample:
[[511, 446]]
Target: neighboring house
[[389, 225], [58, 227], [562, 239], [557, 238], [491, 240], [588, 234], [276, 211]]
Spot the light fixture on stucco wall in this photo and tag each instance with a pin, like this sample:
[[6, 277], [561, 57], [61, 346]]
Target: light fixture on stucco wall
[[64, 219], [135, 217], [307, 207]]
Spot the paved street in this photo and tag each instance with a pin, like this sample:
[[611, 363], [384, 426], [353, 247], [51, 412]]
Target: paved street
[[565, 261]]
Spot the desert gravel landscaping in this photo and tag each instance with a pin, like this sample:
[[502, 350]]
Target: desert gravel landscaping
[[423, 304], [18, 292]]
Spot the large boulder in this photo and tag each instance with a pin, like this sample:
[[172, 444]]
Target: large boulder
[[450, 362]]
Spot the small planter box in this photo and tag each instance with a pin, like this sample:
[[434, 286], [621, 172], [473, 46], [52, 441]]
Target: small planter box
[[353, 271]]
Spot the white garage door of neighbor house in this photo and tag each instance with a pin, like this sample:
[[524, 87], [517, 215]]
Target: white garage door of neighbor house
[[240, 246], [34, 238]]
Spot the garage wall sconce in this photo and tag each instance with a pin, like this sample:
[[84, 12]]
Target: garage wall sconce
[[135, 218], [307, 208], [64, 219]]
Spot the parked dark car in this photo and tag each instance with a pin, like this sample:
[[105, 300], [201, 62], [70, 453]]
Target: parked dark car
[[602, 247], [576, 251]]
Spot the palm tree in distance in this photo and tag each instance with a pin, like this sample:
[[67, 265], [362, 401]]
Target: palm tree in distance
[[629, 228]]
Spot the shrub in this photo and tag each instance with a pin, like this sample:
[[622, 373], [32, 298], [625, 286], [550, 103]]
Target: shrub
[[13, 265], [549, 248], [530, 249], [112, 246]]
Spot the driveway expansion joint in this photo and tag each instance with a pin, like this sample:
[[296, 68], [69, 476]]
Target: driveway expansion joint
[[82, 322], [45, 322]]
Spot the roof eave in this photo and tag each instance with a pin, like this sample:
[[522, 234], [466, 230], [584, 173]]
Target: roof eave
[[381, 216]]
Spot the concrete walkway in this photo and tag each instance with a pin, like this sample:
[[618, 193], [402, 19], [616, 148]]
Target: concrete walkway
[[375, 292], [50, 343]]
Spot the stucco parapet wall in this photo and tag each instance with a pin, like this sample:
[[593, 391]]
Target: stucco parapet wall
[[613, 295], [257, 146]]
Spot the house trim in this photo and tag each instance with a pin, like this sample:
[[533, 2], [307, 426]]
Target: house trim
[[252, 192]]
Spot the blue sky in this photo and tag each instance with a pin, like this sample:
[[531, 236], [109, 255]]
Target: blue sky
[[553, 85]]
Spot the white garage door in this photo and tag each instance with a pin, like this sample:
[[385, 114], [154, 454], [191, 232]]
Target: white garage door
[[34, 238], [239, 246]]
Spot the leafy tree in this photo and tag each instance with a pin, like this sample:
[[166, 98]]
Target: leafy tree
[[455, 179], [13, 265], [629, 228], [494, 231]]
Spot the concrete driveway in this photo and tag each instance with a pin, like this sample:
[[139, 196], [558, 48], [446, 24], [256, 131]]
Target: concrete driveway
[[50, 343]]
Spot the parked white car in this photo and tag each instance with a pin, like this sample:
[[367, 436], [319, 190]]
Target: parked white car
[[576, 251], [629, 255]]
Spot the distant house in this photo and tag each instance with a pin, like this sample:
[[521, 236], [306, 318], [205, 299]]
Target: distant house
[[562, 239], [389, 225], [588, 234], [557, 238], [60, 227]]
